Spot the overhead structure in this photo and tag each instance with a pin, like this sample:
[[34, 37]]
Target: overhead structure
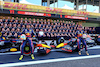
[[48, 2], [87, 2]]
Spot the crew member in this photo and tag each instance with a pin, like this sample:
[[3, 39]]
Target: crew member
[[79, 36], [29, 34]]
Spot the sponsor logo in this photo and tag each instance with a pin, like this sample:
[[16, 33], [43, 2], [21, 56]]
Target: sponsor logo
[[53, 10], [82, 13], [16, 6]]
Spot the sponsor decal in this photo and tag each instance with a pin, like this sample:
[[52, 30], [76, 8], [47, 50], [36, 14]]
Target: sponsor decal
[[76, 17], [82, 13], [16, 6], [33, 13], [53, 10]]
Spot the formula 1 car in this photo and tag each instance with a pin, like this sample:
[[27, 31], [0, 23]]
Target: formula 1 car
[[43, 50], [71, 45], [64, 45], [90, 42], [11, 43], [98, 40]]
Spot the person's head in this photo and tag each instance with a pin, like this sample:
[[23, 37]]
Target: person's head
[[60, 21], [32, 26], [18, 30], [60, 31], [51, 20], [3, 29], [45, 30], [10, 25], [6, 20], [80, 28], [28, 26], [21, 18], [48, 23], [23, 26], [37, 22], [16, 21], [63, 30], [8, 29], [57, 20], [13, 29], [25, 18], [0, 20], [12, 18], [93, 28], [30, 22], [29, 19], [90, 28], [49, 30], [14, 25], [10, 33], [52, 30], [26, 21], [70, 31], [54, 21], [5, 25], [16, 18], [66, 30], [63, 21], [18, 25], [5, 34], [41, 29], [41, 20], [3, 17], [15, 34], [34, 19], [44, 20], [37, 19], [37, 30], [48, 20], [8, 17]]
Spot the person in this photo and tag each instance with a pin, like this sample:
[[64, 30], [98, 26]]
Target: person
[[29, 34], [79, 36]]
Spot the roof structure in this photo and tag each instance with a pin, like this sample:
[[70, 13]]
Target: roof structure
[[89, 2]]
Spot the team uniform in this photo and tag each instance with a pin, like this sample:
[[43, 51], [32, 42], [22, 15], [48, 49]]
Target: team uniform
[[79, 35], [29, 34]]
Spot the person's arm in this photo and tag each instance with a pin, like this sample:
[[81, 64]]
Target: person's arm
[[34, 34], [76, 34], [23, 32]]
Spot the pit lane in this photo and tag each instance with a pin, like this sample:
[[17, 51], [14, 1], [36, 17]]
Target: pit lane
[[8, 58]]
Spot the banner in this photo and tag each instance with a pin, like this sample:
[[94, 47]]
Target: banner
[[76, 17], [43, 9]]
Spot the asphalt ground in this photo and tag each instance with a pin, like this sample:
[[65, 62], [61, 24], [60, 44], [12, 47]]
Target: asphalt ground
[[13, 58], [92, 62], [10, 58]]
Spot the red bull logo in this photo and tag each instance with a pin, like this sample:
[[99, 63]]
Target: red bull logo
[[80, 35], [28, 34]]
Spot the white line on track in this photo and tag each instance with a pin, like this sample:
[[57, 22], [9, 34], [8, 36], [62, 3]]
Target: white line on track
[[47, 61]]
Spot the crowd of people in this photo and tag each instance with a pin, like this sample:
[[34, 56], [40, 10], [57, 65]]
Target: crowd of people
[[50, 28]]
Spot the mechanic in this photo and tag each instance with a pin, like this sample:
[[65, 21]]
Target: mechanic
[[79, 36], [29, 34]]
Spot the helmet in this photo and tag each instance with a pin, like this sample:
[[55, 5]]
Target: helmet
[[84, 36], [23, 37]]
